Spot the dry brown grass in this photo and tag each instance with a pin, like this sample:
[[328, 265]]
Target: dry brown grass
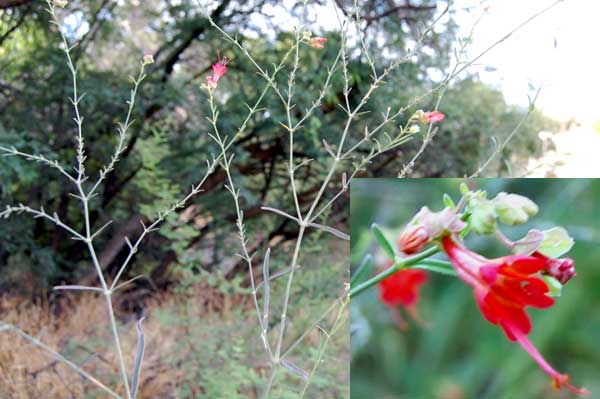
[[76, 326]]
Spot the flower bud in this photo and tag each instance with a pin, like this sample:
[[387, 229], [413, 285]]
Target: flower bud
[[432, 117], [562, 269], [60, 3], [413, 239], [439, 223], [414, 129], [513, 208], [317, 42], [148, 59], [418, 115]]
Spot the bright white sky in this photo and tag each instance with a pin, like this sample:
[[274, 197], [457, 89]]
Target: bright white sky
[[570, 71]]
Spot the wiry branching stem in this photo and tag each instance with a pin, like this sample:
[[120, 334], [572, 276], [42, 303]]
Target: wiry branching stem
[[343, 152], [235, 193]]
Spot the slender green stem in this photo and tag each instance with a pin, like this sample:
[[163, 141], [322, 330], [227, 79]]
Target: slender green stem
[[115, 334], [400, 263], [436, 266]]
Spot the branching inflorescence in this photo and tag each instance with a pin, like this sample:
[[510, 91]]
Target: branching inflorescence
[[345, 160], [85, 191]]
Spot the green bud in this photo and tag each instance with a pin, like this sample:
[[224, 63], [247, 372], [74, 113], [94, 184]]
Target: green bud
[[464, 189], [448, 201], [513, 208], [556, 242], [483, 216]]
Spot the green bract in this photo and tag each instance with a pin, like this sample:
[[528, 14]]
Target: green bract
[[514, 209], [483, 216], [554, 286], [530, 243], [556, 242]]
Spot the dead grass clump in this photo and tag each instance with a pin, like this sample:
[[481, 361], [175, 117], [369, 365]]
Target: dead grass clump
[[76, 326]]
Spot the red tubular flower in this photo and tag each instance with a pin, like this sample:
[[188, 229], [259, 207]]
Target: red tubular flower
[[433, 117], [219, 70], [402, 287], [503, 287]]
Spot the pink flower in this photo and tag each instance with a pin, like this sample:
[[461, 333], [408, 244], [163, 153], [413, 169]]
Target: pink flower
[[219, 70], [317, 42], [432, 117], [503, 288], [148, 59]]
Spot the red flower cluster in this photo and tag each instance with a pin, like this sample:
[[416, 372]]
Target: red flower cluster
[[219, 70], [402, 287], [505, 286]]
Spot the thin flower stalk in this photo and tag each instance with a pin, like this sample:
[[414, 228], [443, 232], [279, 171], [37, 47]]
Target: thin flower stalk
[[85, 196], [226, 165], [337, 324]]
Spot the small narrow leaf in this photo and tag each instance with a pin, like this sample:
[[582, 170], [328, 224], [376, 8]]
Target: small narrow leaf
[[331, 230], [364, 269], [139, 357], [383, 241], [294, 369], [267, 288], [328, 148]]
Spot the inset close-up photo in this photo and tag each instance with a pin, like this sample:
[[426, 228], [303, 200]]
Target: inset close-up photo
[[481, 288]]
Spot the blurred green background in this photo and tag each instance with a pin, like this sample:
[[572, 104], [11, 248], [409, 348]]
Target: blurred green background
[[459, 354]]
